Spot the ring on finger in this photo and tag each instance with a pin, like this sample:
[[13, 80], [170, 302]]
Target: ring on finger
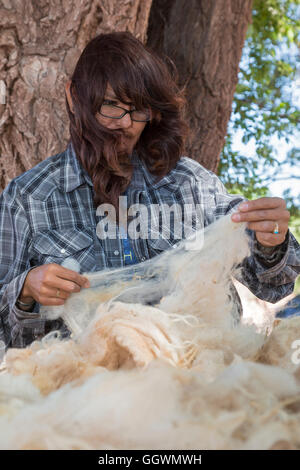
[[57, 292], [276, 229]]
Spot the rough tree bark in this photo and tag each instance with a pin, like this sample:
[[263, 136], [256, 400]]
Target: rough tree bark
[[40, 43], [204, 38]]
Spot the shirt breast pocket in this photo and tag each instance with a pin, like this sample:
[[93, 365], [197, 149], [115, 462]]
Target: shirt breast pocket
[[55, 246]]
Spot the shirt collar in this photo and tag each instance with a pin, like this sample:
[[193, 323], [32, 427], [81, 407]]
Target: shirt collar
[[72, 174], [151, 180], [143, 179]]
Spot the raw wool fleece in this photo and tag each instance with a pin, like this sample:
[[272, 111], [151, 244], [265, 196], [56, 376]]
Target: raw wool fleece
[[177, 375]]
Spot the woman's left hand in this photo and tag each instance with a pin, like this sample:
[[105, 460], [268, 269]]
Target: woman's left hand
[[264, 216]]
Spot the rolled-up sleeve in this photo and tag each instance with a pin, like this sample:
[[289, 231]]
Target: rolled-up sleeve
[[275, 282], [14, 266]]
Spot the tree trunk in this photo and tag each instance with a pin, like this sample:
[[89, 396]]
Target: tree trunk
[[204, 38], [40, 43]]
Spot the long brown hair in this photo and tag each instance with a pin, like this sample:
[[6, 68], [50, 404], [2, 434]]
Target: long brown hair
[[136, 73]]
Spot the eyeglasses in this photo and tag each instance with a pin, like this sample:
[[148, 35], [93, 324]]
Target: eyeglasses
[[116, 112]]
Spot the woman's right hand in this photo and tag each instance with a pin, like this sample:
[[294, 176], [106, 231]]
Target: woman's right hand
[[42, 284]]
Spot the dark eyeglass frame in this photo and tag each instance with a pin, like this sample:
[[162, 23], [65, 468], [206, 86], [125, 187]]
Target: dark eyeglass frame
[[125, 112]]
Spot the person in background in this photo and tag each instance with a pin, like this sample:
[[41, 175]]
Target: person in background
[[127, 137]]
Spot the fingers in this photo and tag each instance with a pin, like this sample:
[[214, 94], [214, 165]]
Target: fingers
[[47, 279], [66, 280], [265, 232], [264, 214], [267, 226], [64, 294], [270, 239], [64, 274], [70, 275], [48, 296], [263, 203], [54, 283], [51, 301]]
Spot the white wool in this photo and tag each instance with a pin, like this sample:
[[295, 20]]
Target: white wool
[[257, 379], [17, 387], [267, 435], [190, 281], [160, 407], [258, 312], [177, 375], [15, 393], [280, 347]]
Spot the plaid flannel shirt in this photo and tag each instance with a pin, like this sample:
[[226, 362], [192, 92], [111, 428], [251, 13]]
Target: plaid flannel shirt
[[47, 214]]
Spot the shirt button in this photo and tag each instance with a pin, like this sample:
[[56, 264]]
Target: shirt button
[[116, 252], [62, 250]]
